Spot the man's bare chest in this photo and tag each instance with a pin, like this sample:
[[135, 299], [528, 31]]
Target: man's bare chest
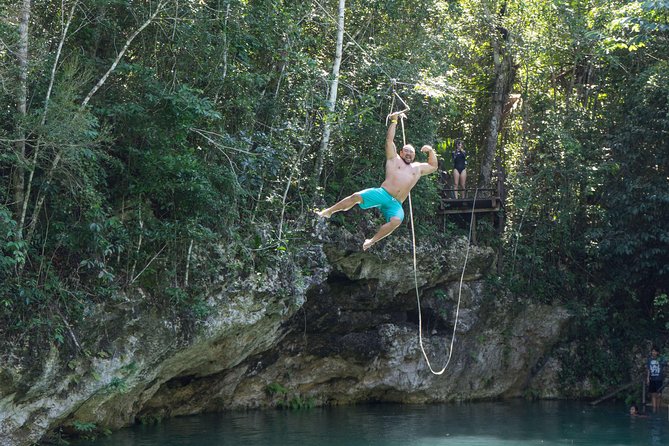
[[404, 172]]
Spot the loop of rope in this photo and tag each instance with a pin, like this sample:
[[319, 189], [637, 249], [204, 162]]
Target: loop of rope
[[392, 106], [415, 269], [462, 276]]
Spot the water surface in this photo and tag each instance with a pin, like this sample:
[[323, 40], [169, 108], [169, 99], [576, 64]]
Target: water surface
[[514, 423]]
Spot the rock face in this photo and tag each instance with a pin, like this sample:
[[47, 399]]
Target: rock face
[[329, 325]]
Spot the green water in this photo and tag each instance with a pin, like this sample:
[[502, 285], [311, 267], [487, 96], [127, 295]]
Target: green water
[[516, 423]]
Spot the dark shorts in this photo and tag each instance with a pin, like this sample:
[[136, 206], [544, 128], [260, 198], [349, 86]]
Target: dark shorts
[[654, 386], [378, 197]]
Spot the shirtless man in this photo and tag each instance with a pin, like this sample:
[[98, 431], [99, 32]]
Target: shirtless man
[[402, 174]]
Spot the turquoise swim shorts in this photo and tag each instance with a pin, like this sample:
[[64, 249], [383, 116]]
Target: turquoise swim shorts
[[378, 197]]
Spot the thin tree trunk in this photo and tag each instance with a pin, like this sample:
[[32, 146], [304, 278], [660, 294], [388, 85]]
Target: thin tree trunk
[[66, 27], [174, 53], [84, 103], [33, 164], [128, 42], [18, 176], [188, 257], [139, 241], [501, 215], [225, 51], [332, 96], [225, 43], [257, 204], [293, 171], [526, 118], [296, 168]]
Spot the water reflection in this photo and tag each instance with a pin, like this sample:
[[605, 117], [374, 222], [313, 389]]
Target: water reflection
[[516, 423]]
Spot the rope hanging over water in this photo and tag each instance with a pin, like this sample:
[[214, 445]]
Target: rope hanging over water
[[462, 276], [395, 95], [415, 263]]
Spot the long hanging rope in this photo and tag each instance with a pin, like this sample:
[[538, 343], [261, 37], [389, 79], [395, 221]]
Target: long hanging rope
[[392, 107], [462, 276], [415, 273], [420, 334]]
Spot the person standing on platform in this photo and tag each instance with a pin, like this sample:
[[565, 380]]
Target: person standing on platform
[[655, 365], [459, 168]]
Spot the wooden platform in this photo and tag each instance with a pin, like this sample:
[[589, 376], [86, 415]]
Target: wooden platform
[[465, 205], [486, 201]]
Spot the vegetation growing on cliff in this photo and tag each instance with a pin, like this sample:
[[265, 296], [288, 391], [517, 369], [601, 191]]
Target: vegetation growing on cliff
[[146, 144]]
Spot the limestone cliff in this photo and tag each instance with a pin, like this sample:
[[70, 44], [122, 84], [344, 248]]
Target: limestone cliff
[[326, 325]]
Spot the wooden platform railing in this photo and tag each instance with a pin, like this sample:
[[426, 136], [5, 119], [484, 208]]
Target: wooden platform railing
[[449, 193]]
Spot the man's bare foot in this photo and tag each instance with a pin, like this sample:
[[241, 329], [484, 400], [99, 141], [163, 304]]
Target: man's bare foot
[[368, 244], [324, 213]]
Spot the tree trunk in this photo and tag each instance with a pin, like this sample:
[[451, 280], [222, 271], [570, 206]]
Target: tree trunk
[[225, 43], [18, 176], [502, 72], [36, 149], [56, 161], [159, 7], [503, 66], [332, 96], [501, 214]]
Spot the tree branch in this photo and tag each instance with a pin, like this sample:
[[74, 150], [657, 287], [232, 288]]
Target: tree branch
[[128, 42], [103, 79], [33, 165]]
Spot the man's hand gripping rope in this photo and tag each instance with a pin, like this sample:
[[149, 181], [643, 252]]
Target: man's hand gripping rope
[[393, 117]]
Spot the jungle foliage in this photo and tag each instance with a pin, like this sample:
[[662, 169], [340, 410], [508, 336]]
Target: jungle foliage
[[146, 144]]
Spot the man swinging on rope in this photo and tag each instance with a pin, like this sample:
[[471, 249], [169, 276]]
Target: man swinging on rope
[[402, 174]]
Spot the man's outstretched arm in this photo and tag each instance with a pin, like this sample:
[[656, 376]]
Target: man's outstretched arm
[[391, 149]]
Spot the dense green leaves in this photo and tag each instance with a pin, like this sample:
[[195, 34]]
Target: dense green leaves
[[195, 157]]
